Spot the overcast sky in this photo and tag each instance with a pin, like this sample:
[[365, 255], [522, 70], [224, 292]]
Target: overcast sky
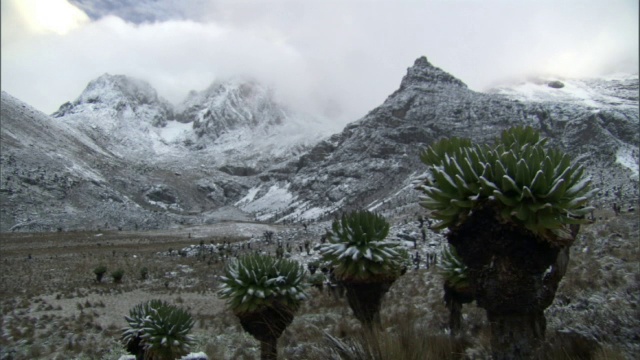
[[342, 58]]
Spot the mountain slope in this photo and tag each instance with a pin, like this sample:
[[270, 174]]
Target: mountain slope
[[50, 171], [56, 176]]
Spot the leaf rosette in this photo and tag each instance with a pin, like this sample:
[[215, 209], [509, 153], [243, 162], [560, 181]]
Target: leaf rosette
[[254, 282], [162, 329], [358, 249], [529, 183]]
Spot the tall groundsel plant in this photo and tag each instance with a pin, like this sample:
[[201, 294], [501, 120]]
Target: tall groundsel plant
[[512, 210]]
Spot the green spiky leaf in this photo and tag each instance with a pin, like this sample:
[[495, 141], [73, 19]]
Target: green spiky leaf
[[161, 328], [358, 249], [518, 173], [254, 282]]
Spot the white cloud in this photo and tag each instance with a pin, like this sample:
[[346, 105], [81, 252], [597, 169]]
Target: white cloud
[[343, 58], [39, 17]]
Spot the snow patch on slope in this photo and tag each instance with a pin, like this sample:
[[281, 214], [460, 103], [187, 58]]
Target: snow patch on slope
[[84, 171], [251, 194], [175, 131], [593, 93], [277, 197], [628, 157], [305, 211]]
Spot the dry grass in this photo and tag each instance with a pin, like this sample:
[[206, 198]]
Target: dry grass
[[53, 307]]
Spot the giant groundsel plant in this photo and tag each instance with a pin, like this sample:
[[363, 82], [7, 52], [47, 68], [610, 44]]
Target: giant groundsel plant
[[507, 207], [531, 184]]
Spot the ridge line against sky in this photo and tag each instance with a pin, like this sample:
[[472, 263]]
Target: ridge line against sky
[[334, 58]]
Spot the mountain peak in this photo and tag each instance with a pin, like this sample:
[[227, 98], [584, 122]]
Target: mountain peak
[[231, 104], [117, 93], [131, 89], [424, 73]]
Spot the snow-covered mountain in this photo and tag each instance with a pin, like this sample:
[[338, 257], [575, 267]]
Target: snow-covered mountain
[[132, 160], [121, 114], [155, 161], [243, 121], [119, 98], [236, 125], [372, 162]]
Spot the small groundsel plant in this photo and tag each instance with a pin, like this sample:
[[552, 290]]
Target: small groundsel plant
[[117, 276], [313, 266], [317, 280], [158, 330], [457, 287], [100, 271], [532, 185], [144, 273]]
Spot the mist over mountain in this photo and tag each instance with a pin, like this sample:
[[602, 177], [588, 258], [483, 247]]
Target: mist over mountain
[[120, 156]]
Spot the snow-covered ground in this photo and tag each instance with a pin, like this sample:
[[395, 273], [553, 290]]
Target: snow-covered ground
[[175, 131], [593, 93]]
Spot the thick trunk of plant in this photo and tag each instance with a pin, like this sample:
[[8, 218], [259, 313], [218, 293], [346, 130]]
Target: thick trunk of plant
[[135, 348], [365, 300], [269, 349], [266, 326], [516, 336], [455, 317], [454, 299], [514, 275]]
